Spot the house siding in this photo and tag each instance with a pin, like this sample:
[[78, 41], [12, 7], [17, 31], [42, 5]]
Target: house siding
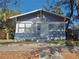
[[39, 28]]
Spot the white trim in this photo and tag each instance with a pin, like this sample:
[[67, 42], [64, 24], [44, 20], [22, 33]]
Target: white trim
[[25, 13], [36, 11]]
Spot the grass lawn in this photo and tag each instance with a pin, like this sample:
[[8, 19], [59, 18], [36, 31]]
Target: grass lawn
[[61, 42]]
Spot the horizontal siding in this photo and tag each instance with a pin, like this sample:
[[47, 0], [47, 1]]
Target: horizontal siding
[[22, 36], [58, 35], [28, 36]]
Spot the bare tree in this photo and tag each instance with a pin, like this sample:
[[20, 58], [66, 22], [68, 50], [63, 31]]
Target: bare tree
[[71, 5], [6, 12], [77, 4]]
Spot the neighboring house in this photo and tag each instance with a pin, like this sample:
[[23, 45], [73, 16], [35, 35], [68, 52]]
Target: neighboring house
[[39, 24]]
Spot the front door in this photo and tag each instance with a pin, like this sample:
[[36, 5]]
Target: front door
[[38, 30], [41, 30]]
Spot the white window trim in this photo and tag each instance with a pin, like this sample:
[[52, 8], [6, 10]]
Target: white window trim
[[23, 27]]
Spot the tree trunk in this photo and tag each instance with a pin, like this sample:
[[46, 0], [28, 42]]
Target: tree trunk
[[5, 19], [71, 14], [77, 6]]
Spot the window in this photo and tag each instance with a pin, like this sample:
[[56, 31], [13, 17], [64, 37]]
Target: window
[[28, 25], [21, 28], [21, 25], [51, 26], [28, 28], [56, 26], [61, 26]]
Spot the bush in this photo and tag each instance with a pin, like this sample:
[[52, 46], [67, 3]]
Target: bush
[[69, 43], [76, 43], [61, 42]]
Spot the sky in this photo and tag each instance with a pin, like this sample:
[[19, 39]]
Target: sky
[[29, 5]]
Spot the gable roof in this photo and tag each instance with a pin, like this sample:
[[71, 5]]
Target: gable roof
[[37, 10]]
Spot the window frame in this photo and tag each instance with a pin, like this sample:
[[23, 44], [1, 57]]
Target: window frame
[[19, 28]]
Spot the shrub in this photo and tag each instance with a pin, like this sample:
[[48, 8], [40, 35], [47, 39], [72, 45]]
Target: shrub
[[76, 43], [69, 43]]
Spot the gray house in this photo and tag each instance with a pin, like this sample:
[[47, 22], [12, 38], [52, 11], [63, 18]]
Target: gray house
[[39, 24]]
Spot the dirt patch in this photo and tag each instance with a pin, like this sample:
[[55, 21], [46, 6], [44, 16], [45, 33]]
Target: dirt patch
[[70, 55], [19, 55]]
